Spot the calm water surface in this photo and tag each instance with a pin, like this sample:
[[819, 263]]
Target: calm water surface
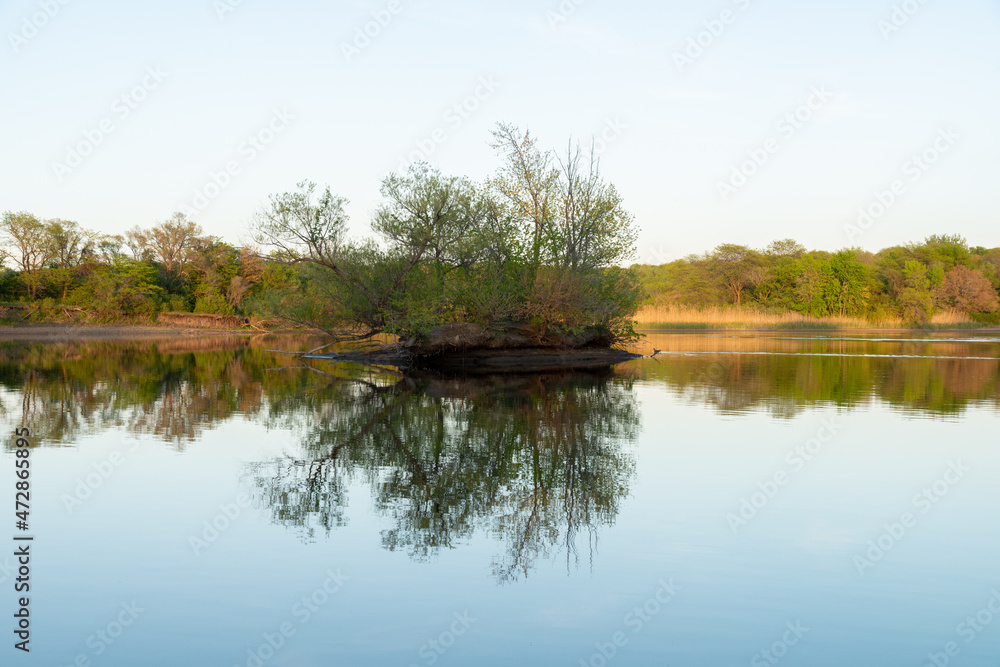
[[828, 500]]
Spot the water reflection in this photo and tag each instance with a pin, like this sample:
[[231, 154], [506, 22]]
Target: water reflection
[[537, 462], [173, 389], [177, 388], [533, 461], [931, 376], [540, 463]]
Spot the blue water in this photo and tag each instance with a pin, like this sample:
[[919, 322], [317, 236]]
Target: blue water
[[642, 558]]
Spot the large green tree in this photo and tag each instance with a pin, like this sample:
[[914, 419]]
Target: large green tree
[[537, 246]]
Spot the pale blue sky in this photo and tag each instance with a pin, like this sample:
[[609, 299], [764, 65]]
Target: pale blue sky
[[607, 65]]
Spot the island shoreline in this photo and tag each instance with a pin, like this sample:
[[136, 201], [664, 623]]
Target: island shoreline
[[44, 332]]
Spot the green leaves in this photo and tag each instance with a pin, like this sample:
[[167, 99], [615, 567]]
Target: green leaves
[[300, 226], [906, 282], [537, 243], [123, 289]]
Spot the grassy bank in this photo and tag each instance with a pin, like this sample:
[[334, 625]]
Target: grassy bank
[[679, 317]]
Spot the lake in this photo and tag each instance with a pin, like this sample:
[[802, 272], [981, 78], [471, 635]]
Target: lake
[[738, 499]]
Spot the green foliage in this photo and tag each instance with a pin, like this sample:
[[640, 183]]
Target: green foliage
[[537, 244], [541, 243], [176, 303], [126, 288], [910, 282], [168, 267], [212, 303], [989, 319], [11, 286], [847, 289]]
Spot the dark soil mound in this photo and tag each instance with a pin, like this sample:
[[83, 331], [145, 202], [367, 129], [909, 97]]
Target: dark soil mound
[[472, 349]]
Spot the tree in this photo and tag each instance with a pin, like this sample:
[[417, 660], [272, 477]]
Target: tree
[[949, 250], [566, 209], [737, 266], [428, 213], [594, 230], [357, 280], [250, 274], [849, 290], [915, 299], [108, 248], [968, 291], [212, 265], [774, 281], [990, 266], [170, 241], [527, 180], [124, 288], [535, 248], [537, 464], [137, 241], [300, 229], [570, 225], [786, 248], [810, 285], [29, 237], [71, 245]]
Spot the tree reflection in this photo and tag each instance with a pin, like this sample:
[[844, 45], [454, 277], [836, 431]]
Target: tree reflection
[[174, 389], [787, 375], [540, 463], [530, 460]]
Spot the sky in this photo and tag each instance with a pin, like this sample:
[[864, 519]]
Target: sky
[[859, 123]]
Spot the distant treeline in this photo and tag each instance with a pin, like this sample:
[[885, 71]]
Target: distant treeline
[[171, 266], [539, 246], [912, 282]]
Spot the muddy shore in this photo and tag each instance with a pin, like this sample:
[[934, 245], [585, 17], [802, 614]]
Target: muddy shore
[[69, 332]]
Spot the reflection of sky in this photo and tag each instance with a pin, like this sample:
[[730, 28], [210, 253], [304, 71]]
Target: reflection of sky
[[794, 559], [793, 562]]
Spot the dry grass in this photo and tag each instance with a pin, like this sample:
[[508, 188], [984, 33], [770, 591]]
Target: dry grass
[[951, 317], [203, 320], [681, 317]]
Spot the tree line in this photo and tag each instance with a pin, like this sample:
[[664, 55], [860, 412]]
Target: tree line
[[912, 282], [539, 246], [171, 265]]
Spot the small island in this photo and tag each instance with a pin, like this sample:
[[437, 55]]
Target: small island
[[520, 273]]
